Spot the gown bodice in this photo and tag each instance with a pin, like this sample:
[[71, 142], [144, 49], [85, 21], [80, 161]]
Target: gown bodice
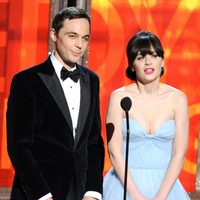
[[148, 150]]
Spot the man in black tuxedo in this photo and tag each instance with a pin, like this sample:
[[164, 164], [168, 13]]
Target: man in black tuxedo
[[53, 120]]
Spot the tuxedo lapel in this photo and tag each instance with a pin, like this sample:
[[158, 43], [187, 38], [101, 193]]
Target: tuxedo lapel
[[84, 104], [53, 85]]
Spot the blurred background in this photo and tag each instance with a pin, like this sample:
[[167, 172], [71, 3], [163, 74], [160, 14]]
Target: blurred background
[[24, 42]]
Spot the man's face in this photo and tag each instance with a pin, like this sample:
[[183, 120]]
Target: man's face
[[71, 41]]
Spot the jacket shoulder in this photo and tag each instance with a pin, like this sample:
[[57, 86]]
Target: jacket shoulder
[[33, 70], [89, 71]]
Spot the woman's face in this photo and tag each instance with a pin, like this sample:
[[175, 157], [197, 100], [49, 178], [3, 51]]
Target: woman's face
[[147, 67]]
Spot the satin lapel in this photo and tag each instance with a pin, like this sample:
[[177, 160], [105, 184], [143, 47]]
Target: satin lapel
[[84, 104], [55, 88]]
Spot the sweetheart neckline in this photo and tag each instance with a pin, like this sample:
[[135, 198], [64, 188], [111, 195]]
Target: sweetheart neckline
[[153, 133]]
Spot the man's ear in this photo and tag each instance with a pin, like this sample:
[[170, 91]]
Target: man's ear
[[53, 35], [163, 63]]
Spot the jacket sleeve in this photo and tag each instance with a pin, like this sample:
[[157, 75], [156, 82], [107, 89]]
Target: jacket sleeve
[[20, 133], [95, 150]]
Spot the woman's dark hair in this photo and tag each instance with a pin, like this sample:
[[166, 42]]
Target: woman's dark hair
[[142, 42], [68, 13]]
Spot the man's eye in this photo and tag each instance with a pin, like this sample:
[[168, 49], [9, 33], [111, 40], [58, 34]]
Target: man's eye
[[86, 39], [72, 36]]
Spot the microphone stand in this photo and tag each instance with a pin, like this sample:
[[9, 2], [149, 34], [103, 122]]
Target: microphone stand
[[127, 150]]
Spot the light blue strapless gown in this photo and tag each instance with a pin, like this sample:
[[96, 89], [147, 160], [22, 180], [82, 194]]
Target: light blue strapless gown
[[149, 157]]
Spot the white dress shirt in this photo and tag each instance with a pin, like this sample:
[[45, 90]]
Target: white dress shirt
[[73, 101], [72, 88]]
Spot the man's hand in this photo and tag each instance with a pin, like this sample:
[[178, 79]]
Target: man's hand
[[89, 198], [50, 199]]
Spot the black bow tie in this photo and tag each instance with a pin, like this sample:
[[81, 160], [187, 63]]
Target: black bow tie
[[74, 75]]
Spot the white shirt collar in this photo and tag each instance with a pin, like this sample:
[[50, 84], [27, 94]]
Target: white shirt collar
[[58, 65]]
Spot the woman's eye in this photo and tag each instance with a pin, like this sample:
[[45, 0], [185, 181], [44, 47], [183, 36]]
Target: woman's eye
[[140, 58], [154, 55]]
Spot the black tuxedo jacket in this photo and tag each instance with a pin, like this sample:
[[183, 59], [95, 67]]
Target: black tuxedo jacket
[[45, 156]]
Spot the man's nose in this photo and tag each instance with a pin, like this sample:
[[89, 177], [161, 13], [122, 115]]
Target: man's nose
[[79, 43]]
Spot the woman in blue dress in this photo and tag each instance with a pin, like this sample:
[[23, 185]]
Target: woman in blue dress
[[158, 129]]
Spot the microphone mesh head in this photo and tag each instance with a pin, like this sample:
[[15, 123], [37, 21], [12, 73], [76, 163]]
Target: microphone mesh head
[[126, 103]]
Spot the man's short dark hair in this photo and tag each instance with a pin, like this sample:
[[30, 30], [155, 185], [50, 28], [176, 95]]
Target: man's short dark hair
[[68, 13]]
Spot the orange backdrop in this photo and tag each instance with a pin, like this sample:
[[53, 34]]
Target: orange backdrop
[[24, 29], [176, 22]]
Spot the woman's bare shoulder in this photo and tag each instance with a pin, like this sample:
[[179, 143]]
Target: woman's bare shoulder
[[121, 92], [174, 93]]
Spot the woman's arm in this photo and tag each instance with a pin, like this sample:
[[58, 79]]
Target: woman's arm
[[114, 137], [179, 145]]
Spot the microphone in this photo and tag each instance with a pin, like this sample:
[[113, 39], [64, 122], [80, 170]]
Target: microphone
[[126, 104]]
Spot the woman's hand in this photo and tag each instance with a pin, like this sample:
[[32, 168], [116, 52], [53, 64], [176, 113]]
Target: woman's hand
[[140, 197]]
